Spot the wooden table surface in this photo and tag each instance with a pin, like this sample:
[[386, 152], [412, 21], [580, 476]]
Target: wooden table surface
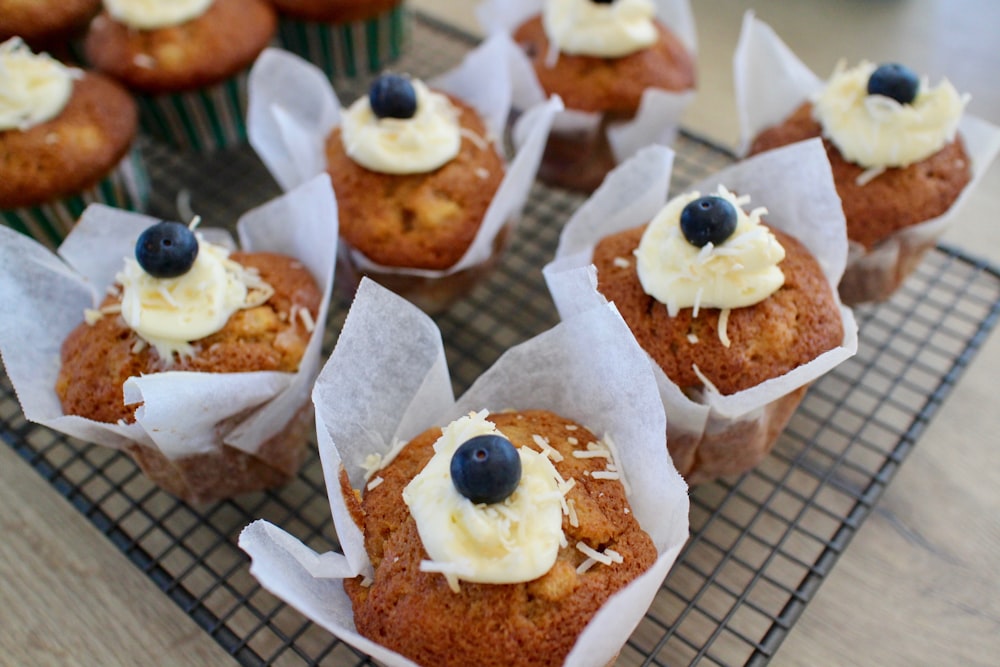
[[918, 585]]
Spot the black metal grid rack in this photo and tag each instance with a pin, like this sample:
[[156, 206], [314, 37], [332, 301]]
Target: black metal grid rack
[[760, 544]]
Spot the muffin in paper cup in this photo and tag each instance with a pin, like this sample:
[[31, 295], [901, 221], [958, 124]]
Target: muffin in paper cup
[[347, 40], [186, 63], [712, 430], [48, 175], [431, 233], [200, 435], [386, 383], [616, 103], [895, 213]]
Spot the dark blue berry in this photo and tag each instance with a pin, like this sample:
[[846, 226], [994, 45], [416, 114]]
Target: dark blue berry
[[708, 219], [166, 250], [486, 469], [392, 96], [896, 81], [602, 2]]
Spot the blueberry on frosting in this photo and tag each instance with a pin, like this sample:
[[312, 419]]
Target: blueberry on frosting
[[392, 96], [486, 469], [707, 220], [166, 250], [896, 81]]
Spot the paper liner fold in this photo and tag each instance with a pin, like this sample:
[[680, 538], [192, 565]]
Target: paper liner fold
[[796, 186], [387, 379]]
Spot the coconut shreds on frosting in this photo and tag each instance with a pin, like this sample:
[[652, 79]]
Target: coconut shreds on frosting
[[34, 88]]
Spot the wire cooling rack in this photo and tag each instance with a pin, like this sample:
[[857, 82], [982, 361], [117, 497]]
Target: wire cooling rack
[[760, 544]]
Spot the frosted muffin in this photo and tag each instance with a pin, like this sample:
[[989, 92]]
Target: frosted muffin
[[185, 61], [186, 305], [600, 58], [45, 24], [466, 527], [66, 138], [897, 157], [345, 38]]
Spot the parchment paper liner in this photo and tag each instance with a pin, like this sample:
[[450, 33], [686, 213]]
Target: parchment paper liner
[[293, 108], [184, 414], [716, 435], [584, 146], [770, 83], [388, 379]]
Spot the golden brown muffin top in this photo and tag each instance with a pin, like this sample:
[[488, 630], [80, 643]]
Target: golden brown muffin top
[[492, 625], [98, 358], [211, 48], [793, 326], [334, 11], [71, 152], [591, 83], [44, 22], [896, 199], [424, 221]]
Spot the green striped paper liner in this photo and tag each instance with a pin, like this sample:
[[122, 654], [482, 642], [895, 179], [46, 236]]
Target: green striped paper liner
[[348, 50], [200, 120], [126, 187]]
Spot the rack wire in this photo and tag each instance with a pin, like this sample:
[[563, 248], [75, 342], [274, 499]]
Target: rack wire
[[760, 544]]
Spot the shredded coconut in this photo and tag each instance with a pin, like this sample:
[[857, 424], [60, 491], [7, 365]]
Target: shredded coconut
[[482, 173], [605, 474], [574, 520], [480, 142], [868, 175], [374, 483], [704, 380], [144, 60], [572, 427], [366, 582], [594, 453], [585, 565], [546, 448], [590, 552], [621, 262], [693, 339], [723, 325], [307, 319]]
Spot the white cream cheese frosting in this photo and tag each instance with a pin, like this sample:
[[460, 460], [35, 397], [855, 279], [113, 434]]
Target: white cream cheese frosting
[[877, 131], [153, 14], [739, 272], [512, 541], [170, 313], [584, 27], [33, 88], [421, 144]]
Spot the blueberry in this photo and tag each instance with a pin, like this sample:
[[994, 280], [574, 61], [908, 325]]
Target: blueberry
[[392, 96], [602, 2], [166, 250], [708, 219], [486, 469], [896, 81]]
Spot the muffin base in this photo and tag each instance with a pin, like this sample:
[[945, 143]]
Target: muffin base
[[201, 120], [348, 50], [227, 472], [126, 187], [579, 159]]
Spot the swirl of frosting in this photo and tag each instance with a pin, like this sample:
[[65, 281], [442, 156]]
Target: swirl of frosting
[[508, 542], [169, 313], [606, 30], [740, 272], [416, 145], [153, 14], [33, 88], [877, 131]]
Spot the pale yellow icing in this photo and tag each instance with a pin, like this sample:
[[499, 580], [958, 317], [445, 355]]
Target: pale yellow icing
[[428, 140], [33, 88], [583, 27], [739, 272], [153, 14], [169, 313], [512, 541], [877, 131]]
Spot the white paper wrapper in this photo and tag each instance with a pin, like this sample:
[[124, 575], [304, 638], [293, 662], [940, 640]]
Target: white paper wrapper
[[388, 379], [657, 119], [770, 83], [796, 186], [293, 108], [184, 413]]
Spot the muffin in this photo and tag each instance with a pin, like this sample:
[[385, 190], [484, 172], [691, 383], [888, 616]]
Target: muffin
[[415, 166], [568, 523], [45, 24], [197, 360], [347, 39], [601, 59], [186, 64], [736, 314], [66, 143], [898, 161]]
